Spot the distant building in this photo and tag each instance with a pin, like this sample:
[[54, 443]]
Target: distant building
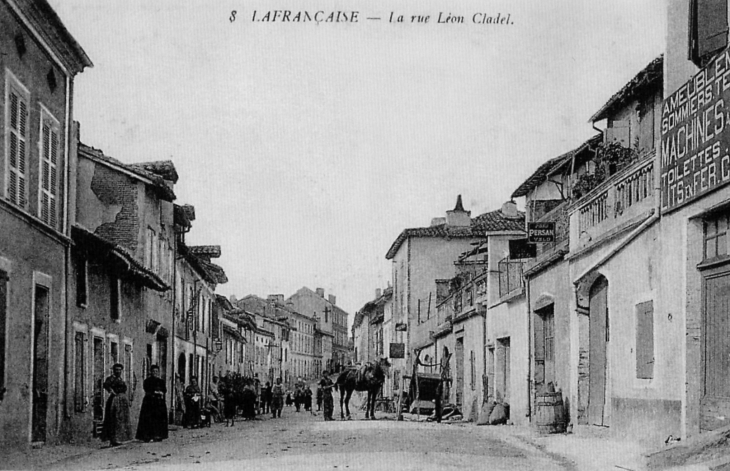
[[331, 339]]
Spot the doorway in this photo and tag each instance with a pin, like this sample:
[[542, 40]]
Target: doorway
[[715, 392], [40, 364], [459, 371], [598, 345]]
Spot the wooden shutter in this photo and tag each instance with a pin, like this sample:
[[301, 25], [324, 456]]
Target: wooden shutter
[[539, 351], [79, 372], [16, 190], [645, 340], [49, 174], [3, 322], [708, 29]]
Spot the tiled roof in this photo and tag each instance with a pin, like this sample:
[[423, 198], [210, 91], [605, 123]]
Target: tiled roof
[[99, 246], [651, 78], [493, 221], [539, 175], [163, 168], [211, 272], [157, 182], [578, 153], [548, 168]]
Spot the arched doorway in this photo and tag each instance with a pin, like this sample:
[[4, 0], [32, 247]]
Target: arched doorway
[[598, 337]]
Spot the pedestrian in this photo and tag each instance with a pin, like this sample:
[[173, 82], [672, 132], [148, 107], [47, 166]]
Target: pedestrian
[[307, 398], [266, 398], [289, 401], [277, 398], [215, 400], [152, 423], [193, 406], [117, 427], [248, 402], [329, 403], [319, 398], [298, 397], [226, 391], [257, 392]]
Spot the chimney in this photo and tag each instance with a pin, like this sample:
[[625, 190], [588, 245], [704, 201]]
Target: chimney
[[438, 221], [458, 217], [233, 299], [509, 210], [320, 292], [378, 293], [332, 299]]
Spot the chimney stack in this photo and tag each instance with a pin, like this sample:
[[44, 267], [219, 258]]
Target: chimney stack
[[509, 210], [233, 299], [277, 298], [378, 293], [458, 217], [332, 299], [320, 292]]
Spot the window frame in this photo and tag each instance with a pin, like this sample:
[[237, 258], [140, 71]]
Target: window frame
[[12, 83], [54, 189]]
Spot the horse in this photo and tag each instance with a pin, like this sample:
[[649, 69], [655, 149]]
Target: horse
[[371, 381]]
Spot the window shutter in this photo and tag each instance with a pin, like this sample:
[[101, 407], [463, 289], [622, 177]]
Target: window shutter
[[79, 366], [708, 29], [49, 174], [539, 350], [645, 340], [18, 133]]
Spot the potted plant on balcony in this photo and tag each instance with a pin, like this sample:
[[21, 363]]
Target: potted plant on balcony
[[610, 158]]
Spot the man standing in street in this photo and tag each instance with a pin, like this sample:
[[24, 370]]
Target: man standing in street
[[277, 398]]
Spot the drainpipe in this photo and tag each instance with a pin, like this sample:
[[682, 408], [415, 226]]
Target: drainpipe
[[67, 260], [530, 339]]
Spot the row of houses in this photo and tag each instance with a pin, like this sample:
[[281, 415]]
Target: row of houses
[[625, 311], [95, 268]]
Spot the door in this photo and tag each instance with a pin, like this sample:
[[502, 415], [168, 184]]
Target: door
[[98, 384], [715, 399], [459, 371], [40, 365], [598, 339], [503, 370]]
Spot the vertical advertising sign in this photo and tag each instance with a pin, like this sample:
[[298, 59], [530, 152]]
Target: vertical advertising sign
[[695, 156]]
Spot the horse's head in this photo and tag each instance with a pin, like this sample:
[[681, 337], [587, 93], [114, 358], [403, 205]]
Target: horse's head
[[384, 365]]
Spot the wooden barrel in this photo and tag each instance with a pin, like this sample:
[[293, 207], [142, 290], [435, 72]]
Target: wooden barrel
[[549, 413]]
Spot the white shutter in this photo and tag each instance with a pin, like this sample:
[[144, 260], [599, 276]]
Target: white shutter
[[47, 208], [18, 133]]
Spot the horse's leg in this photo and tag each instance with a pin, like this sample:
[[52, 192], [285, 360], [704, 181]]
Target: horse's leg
[[347, 403], [342, 399]]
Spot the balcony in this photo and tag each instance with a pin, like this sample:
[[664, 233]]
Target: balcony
[[613, 205]]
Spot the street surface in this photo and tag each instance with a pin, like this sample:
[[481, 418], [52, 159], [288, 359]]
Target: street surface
[[301, 441]]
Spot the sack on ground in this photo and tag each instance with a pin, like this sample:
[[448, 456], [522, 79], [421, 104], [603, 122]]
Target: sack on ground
[[485, 412], [498, 415]]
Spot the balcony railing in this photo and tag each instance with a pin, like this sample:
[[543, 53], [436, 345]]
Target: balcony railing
[[617, 200]]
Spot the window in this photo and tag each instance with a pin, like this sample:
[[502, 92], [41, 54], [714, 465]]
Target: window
[[113, 352], [16, 133], [708, 29], [645, 340], [128, 362], [80, 371], [716, 237], [82, 278], [115, 298], [48, 187], [150, 248]]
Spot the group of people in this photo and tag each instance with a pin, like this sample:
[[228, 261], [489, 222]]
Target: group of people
[[226, 396], [152, 423]]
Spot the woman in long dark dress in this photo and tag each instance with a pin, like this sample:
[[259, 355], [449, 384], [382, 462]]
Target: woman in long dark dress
[[193, 398], [225, 389], [152, 423], [117, 427], [329, 404]]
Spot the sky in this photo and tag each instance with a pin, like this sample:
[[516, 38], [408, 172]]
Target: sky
[[306, 148]]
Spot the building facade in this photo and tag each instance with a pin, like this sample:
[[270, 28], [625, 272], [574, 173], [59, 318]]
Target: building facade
[[39, 60]]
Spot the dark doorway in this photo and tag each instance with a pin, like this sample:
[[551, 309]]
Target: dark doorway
[[40, 364], [715, 399]]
